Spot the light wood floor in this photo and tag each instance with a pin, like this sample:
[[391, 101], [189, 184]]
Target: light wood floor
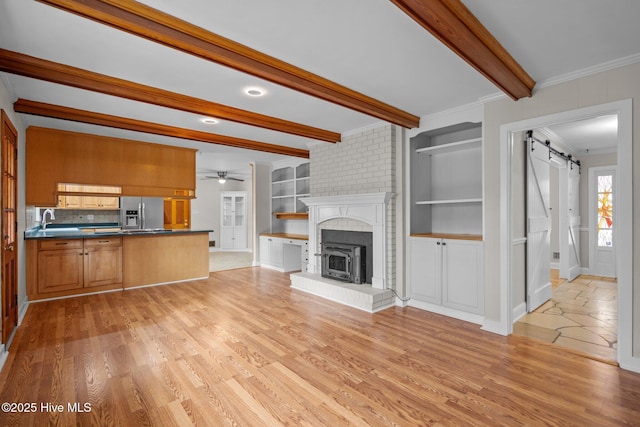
[[242, 348]]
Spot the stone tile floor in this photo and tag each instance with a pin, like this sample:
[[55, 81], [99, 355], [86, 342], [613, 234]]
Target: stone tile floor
[[581, 315]]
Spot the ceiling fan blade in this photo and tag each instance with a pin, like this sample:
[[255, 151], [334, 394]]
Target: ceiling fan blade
[[235, 179]]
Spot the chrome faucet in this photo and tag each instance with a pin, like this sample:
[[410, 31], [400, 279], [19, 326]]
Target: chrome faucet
[[44, 217]]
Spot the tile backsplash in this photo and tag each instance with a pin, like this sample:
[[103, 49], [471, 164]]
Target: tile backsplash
[[85, 216]]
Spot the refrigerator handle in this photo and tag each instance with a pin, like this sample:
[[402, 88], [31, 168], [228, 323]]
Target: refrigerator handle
[[143, 224]]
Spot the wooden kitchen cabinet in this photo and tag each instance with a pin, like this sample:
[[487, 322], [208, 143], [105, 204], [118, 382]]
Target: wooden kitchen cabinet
[[62, 267], [102, 261], [68, 200], [138, 168]]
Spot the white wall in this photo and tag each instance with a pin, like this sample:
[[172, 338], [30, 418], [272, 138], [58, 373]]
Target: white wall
[[608, 86], [205, 208]]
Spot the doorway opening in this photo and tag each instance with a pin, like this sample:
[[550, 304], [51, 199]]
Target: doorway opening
[[513, 243], [578, 311]]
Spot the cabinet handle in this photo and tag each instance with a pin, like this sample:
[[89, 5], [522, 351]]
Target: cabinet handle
[[103, 241], [438, 243], [444, 243], [60, 243]]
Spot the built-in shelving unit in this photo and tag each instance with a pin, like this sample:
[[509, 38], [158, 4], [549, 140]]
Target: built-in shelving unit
[[446, 180], [445, 249], [289, 185]]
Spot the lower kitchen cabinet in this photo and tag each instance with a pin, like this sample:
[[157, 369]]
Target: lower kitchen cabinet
[[284, 253], [60, 267], [448, 273], [73, 266], [102, 262]]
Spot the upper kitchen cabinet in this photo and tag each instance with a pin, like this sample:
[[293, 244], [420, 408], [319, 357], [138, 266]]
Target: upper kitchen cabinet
[[138, 168], [102, 197]]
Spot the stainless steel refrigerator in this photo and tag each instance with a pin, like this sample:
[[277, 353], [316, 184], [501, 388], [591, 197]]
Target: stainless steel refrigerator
[[141, 212]]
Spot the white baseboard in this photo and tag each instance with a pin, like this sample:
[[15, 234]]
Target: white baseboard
[[22, 312], [496, 327], [519, 311], [446, 311]]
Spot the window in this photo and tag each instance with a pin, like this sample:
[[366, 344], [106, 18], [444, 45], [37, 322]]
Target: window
[[605, 210]]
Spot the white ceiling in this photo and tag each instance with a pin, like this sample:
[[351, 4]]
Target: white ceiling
[[367, 45]]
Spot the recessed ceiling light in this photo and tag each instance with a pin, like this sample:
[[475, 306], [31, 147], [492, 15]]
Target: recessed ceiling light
[[209, 121], [254, 91]]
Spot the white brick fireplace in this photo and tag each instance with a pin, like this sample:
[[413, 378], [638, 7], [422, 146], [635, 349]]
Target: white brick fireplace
[[369, 209]]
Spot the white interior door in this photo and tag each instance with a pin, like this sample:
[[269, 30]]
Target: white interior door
[[570, 265], [538, 225], [602, 187]]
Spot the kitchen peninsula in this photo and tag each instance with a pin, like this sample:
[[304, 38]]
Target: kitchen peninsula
[[74, 261], [83, 176]]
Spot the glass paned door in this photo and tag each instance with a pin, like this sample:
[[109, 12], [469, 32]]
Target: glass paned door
[[605, 211]]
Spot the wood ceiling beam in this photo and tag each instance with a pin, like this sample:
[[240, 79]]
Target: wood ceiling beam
[[454, 25], [29, 66], [144, 21], [83, 116]]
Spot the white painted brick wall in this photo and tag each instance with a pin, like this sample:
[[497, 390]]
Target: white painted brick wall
[[362, 163]]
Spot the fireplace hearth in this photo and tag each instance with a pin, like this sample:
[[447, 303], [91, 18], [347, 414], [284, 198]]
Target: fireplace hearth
[[371, 294]]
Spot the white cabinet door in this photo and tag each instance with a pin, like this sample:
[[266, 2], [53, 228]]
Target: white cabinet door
[[277, 255], [463, 275], [271, 252], [265, 250], [425, 259], [233, 220]]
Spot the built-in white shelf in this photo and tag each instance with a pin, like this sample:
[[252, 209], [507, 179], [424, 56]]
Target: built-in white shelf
[[448, 202], [452, 147]]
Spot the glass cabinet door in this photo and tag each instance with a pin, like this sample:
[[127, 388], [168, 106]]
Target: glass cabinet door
[[227, 211], [239, 211]]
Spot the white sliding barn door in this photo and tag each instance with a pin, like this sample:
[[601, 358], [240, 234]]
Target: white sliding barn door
[[538, 225], [570, 264]]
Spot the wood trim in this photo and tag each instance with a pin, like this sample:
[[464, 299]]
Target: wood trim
[[29, 66], [152, 24], [66, 113], [291, 215], [454, 25]]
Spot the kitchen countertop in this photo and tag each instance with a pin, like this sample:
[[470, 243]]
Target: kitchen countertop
[[287, 236], [89, 231]]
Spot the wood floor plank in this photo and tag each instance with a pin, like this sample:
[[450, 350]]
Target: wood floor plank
[[242, 348]]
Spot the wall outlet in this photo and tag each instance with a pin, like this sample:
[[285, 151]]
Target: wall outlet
[[556, 255], [90, 217]]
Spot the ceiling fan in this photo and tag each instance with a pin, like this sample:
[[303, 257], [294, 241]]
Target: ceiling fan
[[222, 177]]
